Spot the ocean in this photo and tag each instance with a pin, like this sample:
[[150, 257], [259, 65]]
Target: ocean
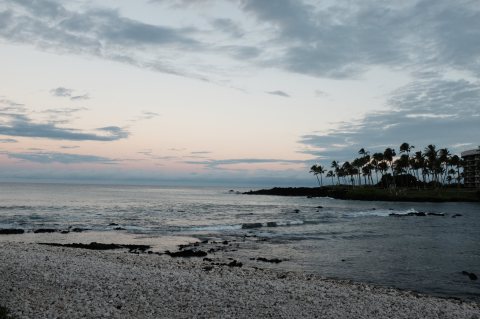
[[351, 240]]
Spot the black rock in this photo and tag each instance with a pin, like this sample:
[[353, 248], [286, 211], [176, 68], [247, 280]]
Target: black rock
[[435, 214], [113, 224], [78, 230], [296, 211], [319, 206], [273, 260], [208, 268], [457, 215], [64, 232], [100, 246], [272, 224], [119, 228], [44, 230], [207, 259], [251, 225], [187, 253], [235, 264], [11, 231], [225, 242], [470, 275]]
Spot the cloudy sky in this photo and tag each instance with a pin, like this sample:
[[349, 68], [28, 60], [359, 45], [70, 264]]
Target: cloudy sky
[[232, 92]]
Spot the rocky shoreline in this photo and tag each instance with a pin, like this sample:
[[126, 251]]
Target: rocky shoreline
[[41, 281], [375, 194]]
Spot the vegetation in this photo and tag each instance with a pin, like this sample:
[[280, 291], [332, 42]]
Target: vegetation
[[430, 168]]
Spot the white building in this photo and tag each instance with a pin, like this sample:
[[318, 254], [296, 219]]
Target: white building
[[471, 169]]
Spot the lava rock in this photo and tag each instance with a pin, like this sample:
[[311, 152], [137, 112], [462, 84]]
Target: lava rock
[[251, 225], [235, 263], [435, 214], [273, 260], [11, 231], [470, 275], [187, 253]]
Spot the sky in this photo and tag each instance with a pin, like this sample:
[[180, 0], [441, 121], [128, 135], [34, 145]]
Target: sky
[[229, 92]]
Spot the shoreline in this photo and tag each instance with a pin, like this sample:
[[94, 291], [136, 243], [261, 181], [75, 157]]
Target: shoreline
[[41, 281], [375, 194]]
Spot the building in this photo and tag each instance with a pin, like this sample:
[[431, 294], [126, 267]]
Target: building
[[471, 169]]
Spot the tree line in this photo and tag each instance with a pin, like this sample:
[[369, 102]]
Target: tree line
[[430, 167]]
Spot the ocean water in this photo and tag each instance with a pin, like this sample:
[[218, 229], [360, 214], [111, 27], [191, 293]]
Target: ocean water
[[355, 240]]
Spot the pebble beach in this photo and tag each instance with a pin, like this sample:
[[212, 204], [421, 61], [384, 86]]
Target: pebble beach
[[57, 282]]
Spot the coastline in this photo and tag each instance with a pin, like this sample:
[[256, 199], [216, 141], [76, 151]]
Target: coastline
[[44, 281], [375, 194]]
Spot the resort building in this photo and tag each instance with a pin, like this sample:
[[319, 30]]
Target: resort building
[[471, 169]]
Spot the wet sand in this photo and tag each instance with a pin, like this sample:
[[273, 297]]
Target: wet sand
[[56, 282]]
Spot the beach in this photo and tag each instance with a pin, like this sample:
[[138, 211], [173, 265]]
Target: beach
[[56, 282]]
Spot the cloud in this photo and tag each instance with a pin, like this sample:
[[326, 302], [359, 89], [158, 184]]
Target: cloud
[[279, 93], [97, 32], [15, 122], [228, 26], [8, 140], [61, 92], [336, 39], [343, 39], [441, 112], [64, 92], [200, 152], [64, 158], [146, 115], [212, 163]]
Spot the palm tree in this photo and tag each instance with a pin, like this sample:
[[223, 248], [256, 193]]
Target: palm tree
[[377, 159], [432, 160], [336, 167], [444, 157], [388, 155], [406, 148], [331, 174], [314, 171], [318, 170]]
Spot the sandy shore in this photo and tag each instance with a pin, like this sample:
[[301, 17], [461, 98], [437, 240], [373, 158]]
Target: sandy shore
[[55, 282]]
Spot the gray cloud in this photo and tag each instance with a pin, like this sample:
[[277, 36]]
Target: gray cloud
[[69, 93], [64, 158], [212, 163], [99, 32], [8, 140], [228, 26], [441, 112], [343, 39], [337, 39], [279, 93], [61, 92], [15, 122]]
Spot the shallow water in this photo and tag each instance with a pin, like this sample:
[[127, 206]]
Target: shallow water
[[344, 239]]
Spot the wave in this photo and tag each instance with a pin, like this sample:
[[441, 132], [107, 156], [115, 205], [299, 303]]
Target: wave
[[380, 212], [253, 225]]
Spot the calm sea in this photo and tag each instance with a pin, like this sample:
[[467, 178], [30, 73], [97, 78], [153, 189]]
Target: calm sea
[[355, 240]]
